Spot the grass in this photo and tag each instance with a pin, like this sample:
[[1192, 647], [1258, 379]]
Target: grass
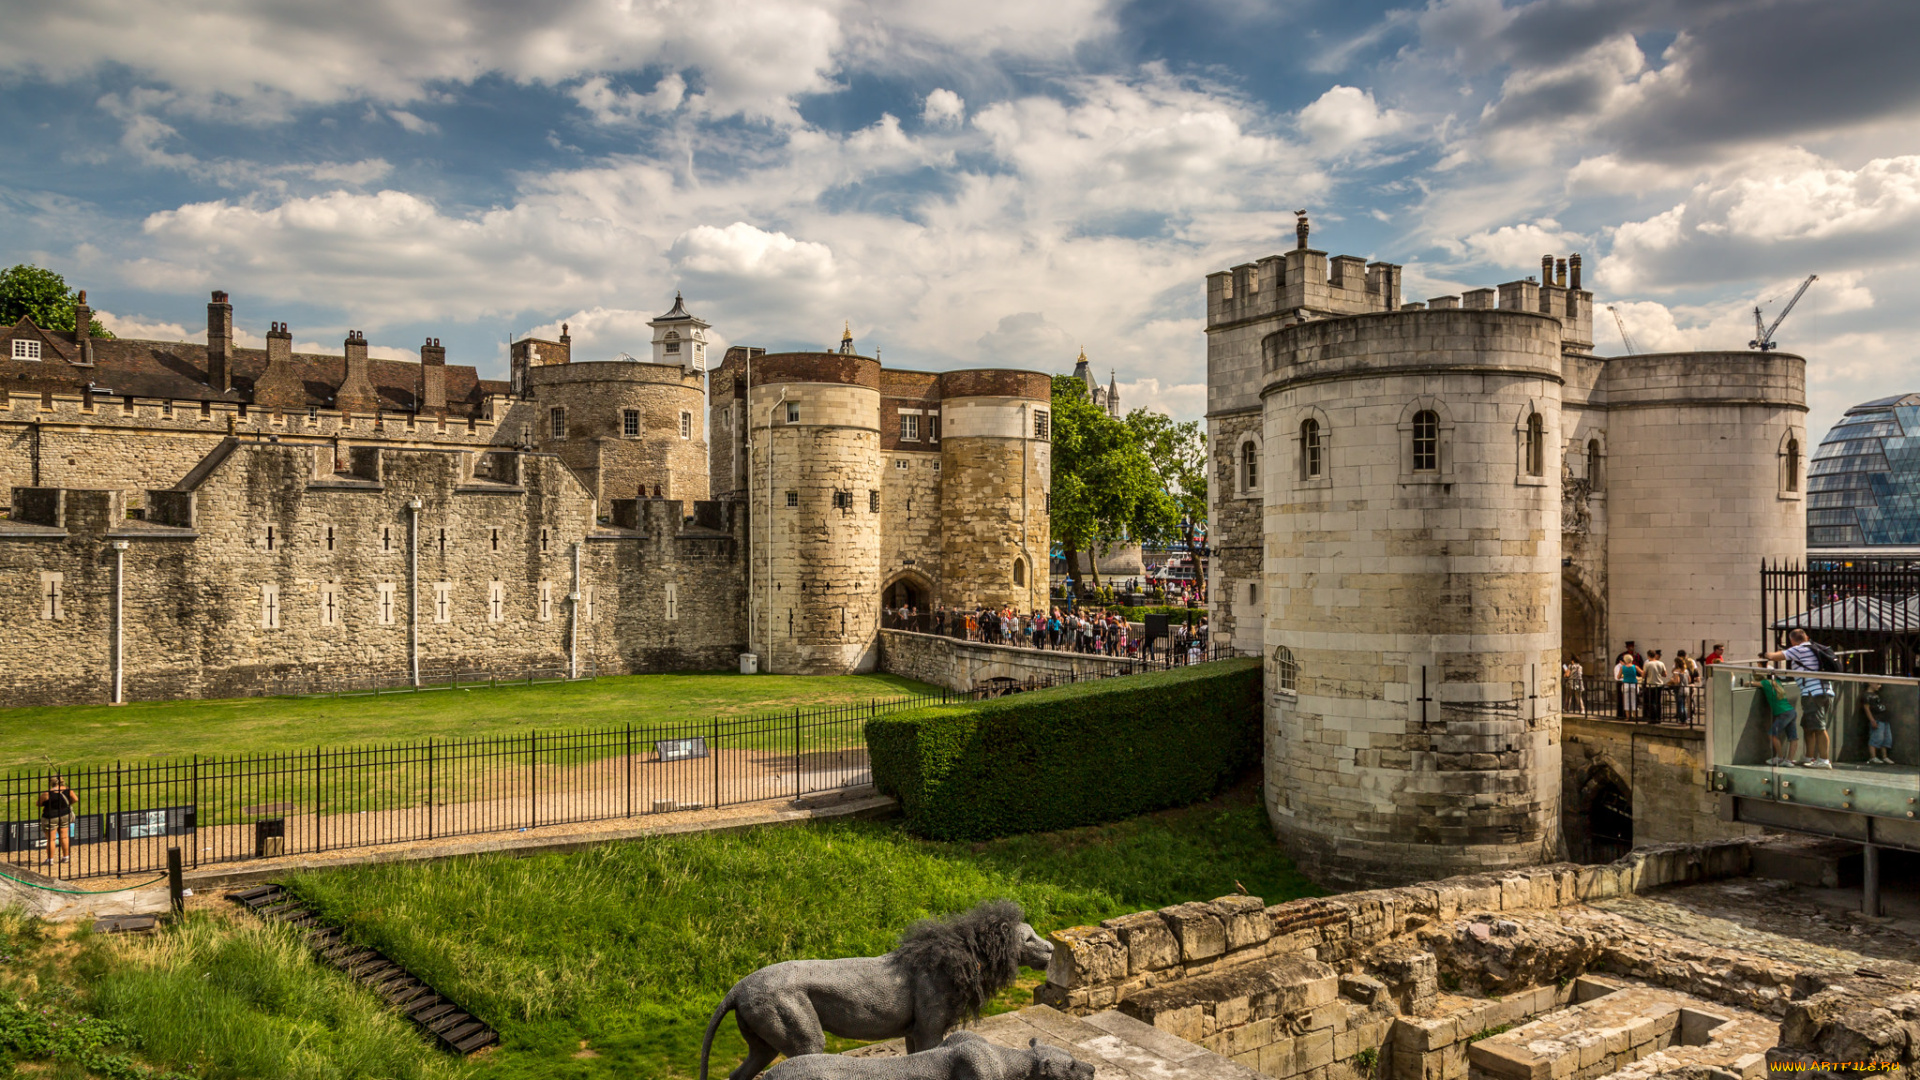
[[607, 962], [92, 735]]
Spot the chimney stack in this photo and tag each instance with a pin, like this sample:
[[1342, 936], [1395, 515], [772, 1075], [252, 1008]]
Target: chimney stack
[[1546, 269], [220, 343], [1300, 228], [1573, 266], [1560, 273], [433, 377], [356, 392], [83, 328], [278, 387]]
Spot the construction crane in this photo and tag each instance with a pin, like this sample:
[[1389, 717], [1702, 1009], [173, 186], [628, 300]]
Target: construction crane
[[1764, 334], [1619, 322]]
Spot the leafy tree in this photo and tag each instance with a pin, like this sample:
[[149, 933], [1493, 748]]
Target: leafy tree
[[1105, 486], [43, 296], [1178, 451]]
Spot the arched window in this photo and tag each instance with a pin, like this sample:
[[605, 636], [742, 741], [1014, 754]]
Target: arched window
[[1286, 673], [1426, 441], [1311, 461], [1793, 464], [1536, 445], [1249, 468], [1019, 571], [673, 341], [1593, 464]]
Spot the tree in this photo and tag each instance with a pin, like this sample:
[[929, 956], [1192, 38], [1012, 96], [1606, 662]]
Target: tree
[[41, 295], [1105, 488], [1178, 452]]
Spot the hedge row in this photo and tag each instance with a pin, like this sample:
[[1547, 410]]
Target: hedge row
[[1070, 755]]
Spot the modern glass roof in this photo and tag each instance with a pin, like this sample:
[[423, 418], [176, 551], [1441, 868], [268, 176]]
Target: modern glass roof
[[1863, 483]]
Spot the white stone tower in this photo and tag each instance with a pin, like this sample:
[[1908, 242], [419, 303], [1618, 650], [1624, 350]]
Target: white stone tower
[[680, 338]]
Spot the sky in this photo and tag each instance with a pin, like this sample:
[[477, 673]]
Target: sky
[[1002, 182]]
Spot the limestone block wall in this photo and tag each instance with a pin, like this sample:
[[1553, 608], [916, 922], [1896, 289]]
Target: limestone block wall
[[1663, 771], [596, 396], [910, 520], [994, 529], [1698, 449], [1235, 518], [669, 583], [1414, 609], [966, 665]]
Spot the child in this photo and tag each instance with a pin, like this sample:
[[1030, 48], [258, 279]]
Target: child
[[1880, 727], [1784, 734]]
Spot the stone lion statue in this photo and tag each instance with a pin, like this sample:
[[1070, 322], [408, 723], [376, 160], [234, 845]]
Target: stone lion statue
[[964, 1056], [941, 975]]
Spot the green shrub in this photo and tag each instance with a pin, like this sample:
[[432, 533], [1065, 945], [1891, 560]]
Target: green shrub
[[1072, 755]]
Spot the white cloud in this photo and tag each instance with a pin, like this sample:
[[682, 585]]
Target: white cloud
[[135, 326], [1345, 117], [1517, 248], [741, 250], [610, 106], [944, 108], [411, 122]]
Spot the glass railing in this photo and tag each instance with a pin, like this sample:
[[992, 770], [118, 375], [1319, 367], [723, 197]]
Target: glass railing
[[1758, 725]]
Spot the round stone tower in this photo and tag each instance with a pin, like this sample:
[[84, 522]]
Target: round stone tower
[[1412, 500], [629, 429], [995, 460], [1713, 444], [815, 511]]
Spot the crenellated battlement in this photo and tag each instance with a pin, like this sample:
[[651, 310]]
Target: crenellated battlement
[[1560, 296], [1302, 282]]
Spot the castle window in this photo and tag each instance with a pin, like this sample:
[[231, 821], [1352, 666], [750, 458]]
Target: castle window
[[496, 601], [269, 606], [586, 602], [909, 427], [329, 538], [24, 349], [389, 611], [1040, 419], [543, 540], [546, 601], [793, 498], [673, 601], [493, 537], [900, 464], [1791, 464], [557, 423], [443, 541], [1286, 673], [630, 422], [53, 604], [673, 343], [1019, 571], [1253, 593], [206, 408], [843, 500], [936, 466], [1426, 441], [329, 604], [686, 425], [873, 502], [933, 427], [793, 412], [443, 601], [386, 539], [270, 537], [1249, 468], [1593, 464], [1536, 445], [1310, 449]]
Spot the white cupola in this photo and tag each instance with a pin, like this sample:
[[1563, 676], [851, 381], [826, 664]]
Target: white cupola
[[679, 338]]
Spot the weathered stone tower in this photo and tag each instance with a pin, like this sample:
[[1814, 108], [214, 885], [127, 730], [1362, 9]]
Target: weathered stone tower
[[815, 534], [996, 466], [629, 428]]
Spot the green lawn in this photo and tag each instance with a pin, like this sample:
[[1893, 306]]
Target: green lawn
[[77, 735]]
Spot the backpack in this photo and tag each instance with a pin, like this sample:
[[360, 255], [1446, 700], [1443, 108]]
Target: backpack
[[1824, 659]]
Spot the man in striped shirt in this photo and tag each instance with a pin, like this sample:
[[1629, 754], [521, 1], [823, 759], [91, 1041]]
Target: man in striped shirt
[[1816, 697]]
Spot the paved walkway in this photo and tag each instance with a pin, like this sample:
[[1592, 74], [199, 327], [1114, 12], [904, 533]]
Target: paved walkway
[[1116, 1045]]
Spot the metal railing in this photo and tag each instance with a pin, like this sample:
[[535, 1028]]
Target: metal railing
[[225, 808], [1610, 699], [1020, 634], [1868, 613]]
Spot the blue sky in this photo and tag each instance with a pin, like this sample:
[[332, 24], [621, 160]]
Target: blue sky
[[1001, 182]]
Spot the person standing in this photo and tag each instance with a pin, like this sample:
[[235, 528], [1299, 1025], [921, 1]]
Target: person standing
[[1783, 735], [1879, 727], [1654, 680], [1627, 674], [1576, 686], [1718, 655], [56, 816], [1680, 685], [1816, 696]]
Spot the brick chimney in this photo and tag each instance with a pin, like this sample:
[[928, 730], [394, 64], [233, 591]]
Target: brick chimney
[[433, 377], [279, 387], [83, 328], [356, 392], [220, 343]]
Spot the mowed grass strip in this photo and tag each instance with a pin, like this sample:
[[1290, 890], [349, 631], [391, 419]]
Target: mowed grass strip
[[81, 735], [606, 963]]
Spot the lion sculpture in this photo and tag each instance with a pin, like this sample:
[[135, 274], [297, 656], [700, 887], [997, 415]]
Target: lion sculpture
[[964, 1056], [941, 975]]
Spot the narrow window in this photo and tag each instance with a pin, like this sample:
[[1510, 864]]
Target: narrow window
[[673, 343], [673, 601], [386, 540], [1019, 571], [53, 605], [1286, 674], [1593, 465], [443, 541], [24, 349], [933, 427], [493, 537], [443, 601], [686, 425], [843, 500], [1793, 464], [1040, 424], [793, 498], [1426, 441], [389, 611], [546, 601], [270, 538], [793, 412], [1253, 593], [1536, 445], [543, 540], [329, 538], [586, 602], [1309, 449], [269, 607], [496, 601], [873, 502], [329, 604], [630, 422], [1249, 468], [206, 408], [557, 423]]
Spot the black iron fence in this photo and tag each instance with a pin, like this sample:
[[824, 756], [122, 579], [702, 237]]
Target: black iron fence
[[1868, 613], [1610, 699], [225, 808]]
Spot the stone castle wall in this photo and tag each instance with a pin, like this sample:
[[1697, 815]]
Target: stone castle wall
[[994, 526], [661, 455]]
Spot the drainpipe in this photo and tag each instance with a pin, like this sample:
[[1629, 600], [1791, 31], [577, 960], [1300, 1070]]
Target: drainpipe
[[413, 590], [573, 636], [119, 620]]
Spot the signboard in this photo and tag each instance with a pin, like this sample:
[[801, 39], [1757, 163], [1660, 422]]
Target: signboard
[[1157, 626], [29, 836], [680, 749], [141, 824]]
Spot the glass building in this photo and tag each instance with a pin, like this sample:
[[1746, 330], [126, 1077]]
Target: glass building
[[1863, 483]]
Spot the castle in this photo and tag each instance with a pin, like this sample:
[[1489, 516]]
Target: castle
[[1417, 509], [195, 519]]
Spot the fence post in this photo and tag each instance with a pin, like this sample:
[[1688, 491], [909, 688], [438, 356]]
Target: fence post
[[629, 770], [797, 784], [533, 764], [713, 751], [316, 799], [429, 787], [196, 811]]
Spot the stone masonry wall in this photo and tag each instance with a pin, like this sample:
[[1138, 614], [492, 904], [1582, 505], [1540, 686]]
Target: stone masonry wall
[[963, 665], [1664, 770], [910, 484]]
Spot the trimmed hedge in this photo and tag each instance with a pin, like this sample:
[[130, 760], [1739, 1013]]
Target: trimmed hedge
[[1070, 755]]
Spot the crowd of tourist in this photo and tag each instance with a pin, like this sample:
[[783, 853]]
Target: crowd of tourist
[[1642, 686], [1095, 631]]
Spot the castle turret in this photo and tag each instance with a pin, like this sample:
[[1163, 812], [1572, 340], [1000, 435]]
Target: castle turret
[[996, 465], [680, 338]]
